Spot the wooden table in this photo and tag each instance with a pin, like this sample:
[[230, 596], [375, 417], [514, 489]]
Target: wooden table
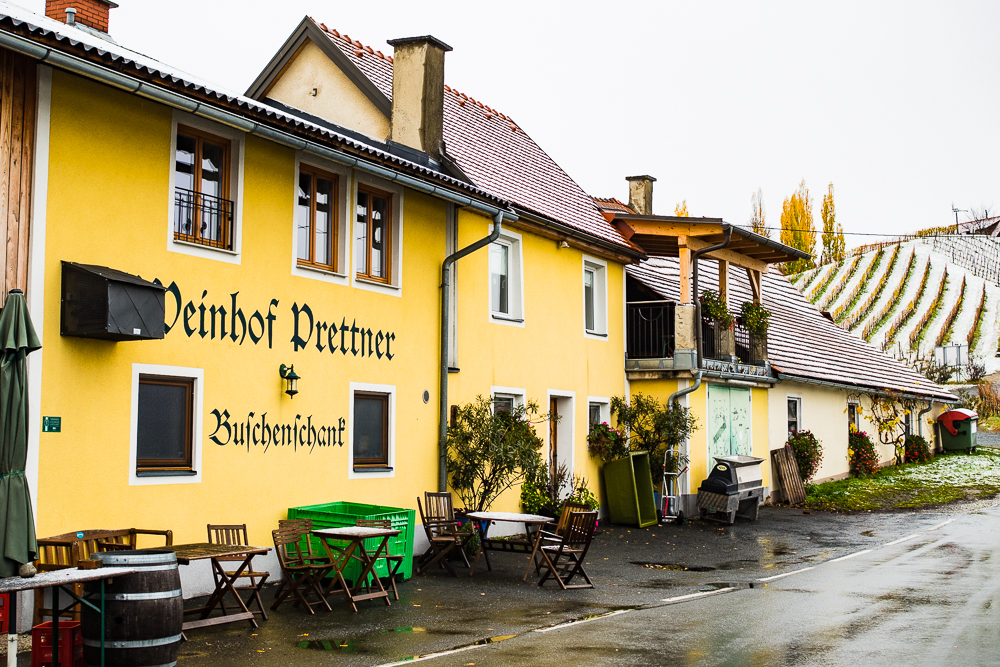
[[340, 556], [186, 553], [483, 520], [59, 580]]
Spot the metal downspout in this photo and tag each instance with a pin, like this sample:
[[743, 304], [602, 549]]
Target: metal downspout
[[686, 390], [445, 282], [920, 417], [697, 301]]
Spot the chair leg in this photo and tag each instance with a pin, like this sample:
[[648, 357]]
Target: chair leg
[[439, 555]]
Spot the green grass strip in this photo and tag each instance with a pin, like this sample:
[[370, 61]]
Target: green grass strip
[[911, 307], [977, 328], [890, 305], [949, 324]]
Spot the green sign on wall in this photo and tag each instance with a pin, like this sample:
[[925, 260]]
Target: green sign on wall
[[51, 424]]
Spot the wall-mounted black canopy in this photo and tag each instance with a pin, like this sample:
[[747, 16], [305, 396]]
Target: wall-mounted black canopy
[[98, 302]]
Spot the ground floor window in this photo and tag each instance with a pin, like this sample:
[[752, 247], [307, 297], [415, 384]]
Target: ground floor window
[[166, 424], [372, 434], [852, 417], [794, 414]]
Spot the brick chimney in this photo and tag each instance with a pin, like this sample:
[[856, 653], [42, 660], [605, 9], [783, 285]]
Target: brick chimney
[[91, 13], [640, 194], [418, 93]]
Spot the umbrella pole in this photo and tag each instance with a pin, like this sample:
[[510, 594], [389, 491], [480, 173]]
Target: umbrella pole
[[12, 629]]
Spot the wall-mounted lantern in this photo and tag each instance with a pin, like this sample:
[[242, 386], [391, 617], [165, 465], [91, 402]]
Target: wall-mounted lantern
[[291, 379]]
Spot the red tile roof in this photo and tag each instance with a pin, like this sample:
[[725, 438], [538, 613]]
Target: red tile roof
[[801, 343], [495, 152], [613, 205]]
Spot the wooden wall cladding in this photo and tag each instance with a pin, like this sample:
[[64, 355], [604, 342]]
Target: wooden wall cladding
[[17, 139]]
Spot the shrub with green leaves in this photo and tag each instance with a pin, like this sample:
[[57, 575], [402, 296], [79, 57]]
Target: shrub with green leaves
[[756, 318], [918, 450], [861, 454], [808, 451], [714, 308], [648, 426]]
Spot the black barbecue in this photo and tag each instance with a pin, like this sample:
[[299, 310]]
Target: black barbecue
[[734, 487]]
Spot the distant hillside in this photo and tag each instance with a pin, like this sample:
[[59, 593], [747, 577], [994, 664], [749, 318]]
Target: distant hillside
[[911, 296]]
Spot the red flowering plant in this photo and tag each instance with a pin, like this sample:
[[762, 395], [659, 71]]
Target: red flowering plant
[[808, 452], [861, 454], [918, 450]]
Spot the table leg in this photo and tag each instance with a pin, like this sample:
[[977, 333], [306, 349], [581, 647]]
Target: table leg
[[483, 528], [224, 585], [103, 624], [12, 629], [534, 549], [55, 626], [370, 562]]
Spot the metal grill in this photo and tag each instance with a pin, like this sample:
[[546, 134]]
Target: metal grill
[[711, 343], [747, 348], [650, 330], [203, 219]]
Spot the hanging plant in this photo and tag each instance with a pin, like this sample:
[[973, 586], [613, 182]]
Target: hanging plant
[[756, 318], [714, 308]]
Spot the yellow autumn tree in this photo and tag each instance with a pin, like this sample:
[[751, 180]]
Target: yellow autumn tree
[[681, 210], [757, 223], [834, 245], [798, 229]]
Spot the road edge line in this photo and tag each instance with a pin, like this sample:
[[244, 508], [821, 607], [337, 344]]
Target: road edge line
[[567, 624], [695, 596], [901, 540], [786, 574], [942, 524]]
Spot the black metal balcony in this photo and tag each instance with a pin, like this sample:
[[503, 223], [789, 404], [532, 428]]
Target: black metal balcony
[[203, 219], [650, 330], [750, 348], [712, 340]]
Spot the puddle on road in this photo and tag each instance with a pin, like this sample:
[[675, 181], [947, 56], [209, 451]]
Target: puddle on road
[[675, 567], [342, 645]]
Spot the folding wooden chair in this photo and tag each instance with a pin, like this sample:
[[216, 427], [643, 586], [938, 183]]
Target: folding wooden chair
[[392, 561], [555, 532], [565, 560], [54, 554], [237, 535], [442, 532], [301, 576]]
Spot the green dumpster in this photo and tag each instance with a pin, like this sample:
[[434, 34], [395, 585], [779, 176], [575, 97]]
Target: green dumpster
[[630, 491], [957, 429], [344, 514]]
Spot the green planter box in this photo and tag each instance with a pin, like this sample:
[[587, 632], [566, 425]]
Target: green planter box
[[344, 514], [630, 491]]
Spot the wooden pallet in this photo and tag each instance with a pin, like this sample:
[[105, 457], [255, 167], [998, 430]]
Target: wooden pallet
[[786, 473]]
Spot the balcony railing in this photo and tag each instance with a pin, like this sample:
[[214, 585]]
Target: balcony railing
[[203, 219], [650, 330], [747, 347], [712, 340], [750, 348]]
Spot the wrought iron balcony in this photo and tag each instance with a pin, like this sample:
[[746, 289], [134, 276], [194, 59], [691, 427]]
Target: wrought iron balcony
[[722, 344], [650, 330], [203, 219]]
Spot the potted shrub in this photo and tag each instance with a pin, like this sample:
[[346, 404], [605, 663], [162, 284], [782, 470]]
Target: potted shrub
[[714, 308], [756, 318]]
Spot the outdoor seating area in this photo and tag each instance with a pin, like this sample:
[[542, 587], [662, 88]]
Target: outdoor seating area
[[359, 552]]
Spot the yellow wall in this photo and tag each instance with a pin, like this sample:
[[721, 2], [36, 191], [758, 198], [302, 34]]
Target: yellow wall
[[109, 203]]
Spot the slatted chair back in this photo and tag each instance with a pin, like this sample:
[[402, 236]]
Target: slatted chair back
[[567, 510], [439, 506], [286, 546], [374, 523], [304, 528], [231, 534], [580, 531]]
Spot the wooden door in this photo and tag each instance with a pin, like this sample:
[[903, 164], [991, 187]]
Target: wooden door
[[729, 422]]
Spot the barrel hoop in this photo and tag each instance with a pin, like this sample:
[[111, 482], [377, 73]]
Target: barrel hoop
[[168, 664], [111, 558], [133, 643], [157, 568], [158, 595]]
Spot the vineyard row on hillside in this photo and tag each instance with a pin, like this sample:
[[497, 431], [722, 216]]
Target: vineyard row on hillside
[[917, 335], [837, 291], [890, 306], [949, 324], [911, 308]]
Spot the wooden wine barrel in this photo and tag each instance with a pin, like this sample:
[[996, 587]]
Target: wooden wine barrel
[[143, 612]]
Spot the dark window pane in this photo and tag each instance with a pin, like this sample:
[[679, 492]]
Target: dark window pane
[[595, 414], [380, 208], [499, 264], [302, 216], [212, 163], [184, 162], [503, 403], [163, 430], [369, 429]]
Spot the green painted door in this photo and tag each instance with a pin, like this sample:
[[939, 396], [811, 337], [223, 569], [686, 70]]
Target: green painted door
[[729, 422]]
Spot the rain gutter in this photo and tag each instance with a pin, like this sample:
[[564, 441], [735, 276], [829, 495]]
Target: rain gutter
[[443, 399], [130, 84]]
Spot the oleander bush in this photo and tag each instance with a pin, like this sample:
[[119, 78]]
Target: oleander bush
[[861, 454], [808, 452], [917, 450]]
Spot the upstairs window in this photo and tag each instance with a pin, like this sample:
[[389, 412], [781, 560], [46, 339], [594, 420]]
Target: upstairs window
[[794, 414], [372, 247], [588, 299], [202, 214], [595, 297], [316, 219], [165, 423], [500, 278], [506, 279]]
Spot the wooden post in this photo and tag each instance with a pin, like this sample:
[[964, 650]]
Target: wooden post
[[755, 284], [724, 281], [685, 269]]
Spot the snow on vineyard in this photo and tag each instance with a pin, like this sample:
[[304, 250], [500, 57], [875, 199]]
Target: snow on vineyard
[[910, 297]]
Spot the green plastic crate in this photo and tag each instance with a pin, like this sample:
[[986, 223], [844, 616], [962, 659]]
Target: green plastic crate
[[344, 514], [630, 491]]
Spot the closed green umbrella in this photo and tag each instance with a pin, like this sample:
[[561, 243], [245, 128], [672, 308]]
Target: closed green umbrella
[[17, 524]]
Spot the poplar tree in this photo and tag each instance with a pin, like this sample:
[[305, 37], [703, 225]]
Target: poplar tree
[[757, 223], [798, 229], [834, 246], [681, 210]]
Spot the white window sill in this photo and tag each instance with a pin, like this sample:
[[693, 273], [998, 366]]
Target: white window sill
[[506, 318], [316, 269], [596, 335], [189, 244], [374, 283]]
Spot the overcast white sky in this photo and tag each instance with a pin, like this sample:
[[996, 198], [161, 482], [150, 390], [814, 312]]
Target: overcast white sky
[[896, 103]]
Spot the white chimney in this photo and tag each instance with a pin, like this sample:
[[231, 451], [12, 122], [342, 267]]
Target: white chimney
[[418, 93]]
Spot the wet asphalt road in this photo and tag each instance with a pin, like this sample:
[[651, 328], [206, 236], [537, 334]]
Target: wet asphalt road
[[931, 600]]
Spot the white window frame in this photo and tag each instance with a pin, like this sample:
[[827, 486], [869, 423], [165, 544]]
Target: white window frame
[[237, 141], [567, 421], [196, 374], [857, 415], [798, 398], [345, 184], [515, 281], [599, 267], [390, 390], [605, 404], [395, 285], [518, 393]]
